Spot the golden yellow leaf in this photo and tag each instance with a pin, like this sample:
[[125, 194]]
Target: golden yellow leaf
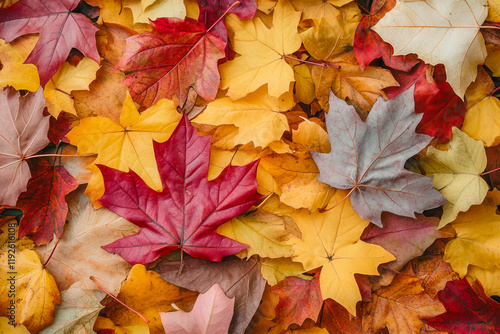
[[259, 117], [493, 11], [489, 278], [331, 240], [332, 35], [317, 9], [304, 85], [262, 51], [111, 11], [6, 328], [104, 323], [311, 136], [266, 234], [349, 82], [35, 291], [67, 79], [145, 10], [482, 121], [297, 178], [478, 238], [492, 60], [127, 145], [13, 72], [276, 270], [456, 174], [147, 293], [430, 28]]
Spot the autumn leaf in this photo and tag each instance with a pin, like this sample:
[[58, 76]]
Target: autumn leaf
[[13, 72], [145, 10], [263, 51], [183, 166], [276, 270], [456, 173], [482, 121], [469, 310], [146, 292], [59, 29], [428, 28], [68, 78], [212, 313], [368, 158], [5, 327], [77, 312], [127, 145], [154, 62], [24, 134], [237, 278], [336, 319], [44, 204], [299, 299], [399, 306], [493, 157], [87, 230], [331, 240]]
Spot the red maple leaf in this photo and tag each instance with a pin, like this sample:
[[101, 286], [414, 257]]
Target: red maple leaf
[[434, 97], [60, 30], [469, 310], [299, 299], [44, 204], [212, 10], [186, 214], [174, 56]]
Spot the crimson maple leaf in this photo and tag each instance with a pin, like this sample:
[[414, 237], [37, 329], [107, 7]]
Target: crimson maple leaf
[[44, 204], [60, 30], [186, 214], [168, 60]]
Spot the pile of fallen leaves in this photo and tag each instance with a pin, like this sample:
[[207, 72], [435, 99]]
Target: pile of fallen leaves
[[289, 166]]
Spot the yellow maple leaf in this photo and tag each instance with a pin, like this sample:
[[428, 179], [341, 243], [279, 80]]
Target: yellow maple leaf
[[456, 174], [36, 292], [111, 11], [145, 10], [482, 121], [331, 240], [127, 145], [478, 241], [259, 117], [276, 270], [311, 136], [262, 51], [67, 79], [430, 28], [147, 293], [13, 71]]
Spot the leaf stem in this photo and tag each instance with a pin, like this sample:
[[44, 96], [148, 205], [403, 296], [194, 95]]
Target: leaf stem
[[51, 253], [223, 14], [491, 171], [119, 301], [310, 62], [343, 199]]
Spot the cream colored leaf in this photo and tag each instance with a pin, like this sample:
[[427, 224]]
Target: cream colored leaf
[[262, 51], [456, 174], [431, 28]]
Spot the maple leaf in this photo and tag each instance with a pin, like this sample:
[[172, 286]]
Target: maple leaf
[[60, 30], [24, 134], [434, 97], [336, 319], [44, 205], [299, 299], [331, 240], [174, 56], [482, 121], [429, 27], [87, 230], [276, 270], [368, 157], [212, 313], [13, 72], [263, 52], [78, 311], [212, 10], [146, 292], [197, 207], [59, 128], [456, 173], [399, 306], [237, 278], [406, 238], [127, 145], [469, 310], [145, 10]]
